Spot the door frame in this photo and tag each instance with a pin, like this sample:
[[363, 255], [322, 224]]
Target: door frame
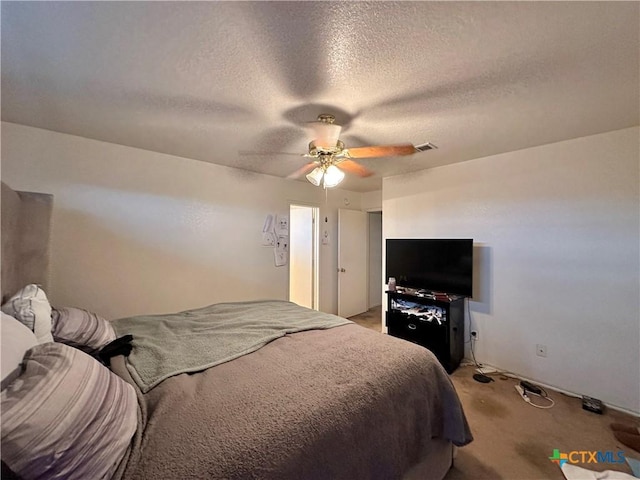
[[380, 301], [315, 252]]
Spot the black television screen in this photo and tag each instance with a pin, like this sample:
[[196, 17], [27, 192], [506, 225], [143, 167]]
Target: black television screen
[[436, 265]]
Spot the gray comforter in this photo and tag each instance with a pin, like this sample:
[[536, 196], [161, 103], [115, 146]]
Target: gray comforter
[[343, 403]]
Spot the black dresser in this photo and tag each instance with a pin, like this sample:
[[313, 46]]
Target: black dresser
[[434, 321]]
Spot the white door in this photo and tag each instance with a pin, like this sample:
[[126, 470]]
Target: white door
[[353, 236]]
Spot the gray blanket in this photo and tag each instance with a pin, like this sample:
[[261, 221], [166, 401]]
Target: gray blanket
[[343, 403], [193, 340]]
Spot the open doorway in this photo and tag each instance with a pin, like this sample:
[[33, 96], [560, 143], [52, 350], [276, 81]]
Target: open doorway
[[303, 255], [375, 259]]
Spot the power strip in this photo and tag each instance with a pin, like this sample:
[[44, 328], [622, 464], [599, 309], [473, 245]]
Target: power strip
[[487, 370], [528, 386], [523, 393]]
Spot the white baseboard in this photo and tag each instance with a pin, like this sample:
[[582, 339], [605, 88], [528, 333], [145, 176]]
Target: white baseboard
[[489, 369]]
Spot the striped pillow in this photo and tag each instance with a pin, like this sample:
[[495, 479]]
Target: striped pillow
[[67, 416], [81, 329]]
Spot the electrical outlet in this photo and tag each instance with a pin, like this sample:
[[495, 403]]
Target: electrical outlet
[[474, 335], [541, 350]]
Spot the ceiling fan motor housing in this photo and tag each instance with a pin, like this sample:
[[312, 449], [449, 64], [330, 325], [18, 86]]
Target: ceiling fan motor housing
[[326, 118], [316, 149]]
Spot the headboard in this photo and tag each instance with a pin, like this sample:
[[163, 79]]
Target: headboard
[[26, 229]]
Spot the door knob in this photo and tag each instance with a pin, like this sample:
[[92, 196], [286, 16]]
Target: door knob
[[341, 270]]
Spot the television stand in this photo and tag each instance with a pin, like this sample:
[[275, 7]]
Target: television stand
[[432, 320]]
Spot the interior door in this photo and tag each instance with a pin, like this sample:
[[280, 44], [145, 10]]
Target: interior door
[[353, 235]]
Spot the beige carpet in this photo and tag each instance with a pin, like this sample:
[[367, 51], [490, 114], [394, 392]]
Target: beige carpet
[[514, 440], [371, 319]]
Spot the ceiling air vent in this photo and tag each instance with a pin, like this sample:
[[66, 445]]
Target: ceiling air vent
[[425, 146]]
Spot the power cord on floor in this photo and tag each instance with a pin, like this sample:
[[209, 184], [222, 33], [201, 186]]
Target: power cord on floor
[[525, 392], [524, 388], [481, 376]]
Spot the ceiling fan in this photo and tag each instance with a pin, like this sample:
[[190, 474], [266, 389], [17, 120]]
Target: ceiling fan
[[330, 157]]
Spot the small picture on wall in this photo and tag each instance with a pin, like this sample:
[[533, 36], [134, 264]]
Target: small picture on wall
[[280, 257], [268, 239], [282, 225]]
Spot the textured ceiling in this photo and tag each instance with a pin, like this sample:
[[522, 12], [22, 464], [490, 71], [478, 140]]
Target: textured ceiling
[[212, 81]]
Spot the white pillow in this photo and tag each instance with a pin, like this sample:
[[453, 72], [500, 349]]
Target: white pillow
[[16, 339], [31, 307]]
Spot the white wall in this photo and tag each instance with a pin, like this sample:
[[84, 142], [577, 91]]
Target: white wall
[[557, 257], [137, 232], [371, 201]]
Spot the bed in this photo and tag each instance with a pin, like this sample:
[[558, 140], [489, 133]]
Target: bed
[[310, 395]]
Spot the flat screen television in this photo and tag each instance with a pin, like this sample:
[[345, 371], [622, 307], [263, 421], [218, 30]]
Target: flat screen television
[[436, 265]]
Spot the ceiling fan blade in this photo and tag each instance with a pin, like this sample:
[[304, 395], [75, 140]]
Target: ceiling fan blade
[[255, 152], [303, 170], [382, 151], [354, 167]]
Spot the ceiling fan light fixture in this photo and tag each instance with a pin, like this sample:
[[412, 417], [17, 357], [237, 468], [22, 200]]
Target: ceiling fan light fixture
[[315, 176], [333, 176], [330, 158]]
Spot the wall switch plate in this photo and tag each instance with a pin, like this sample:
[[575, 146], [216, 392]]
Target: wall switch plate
[[541, 350]]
